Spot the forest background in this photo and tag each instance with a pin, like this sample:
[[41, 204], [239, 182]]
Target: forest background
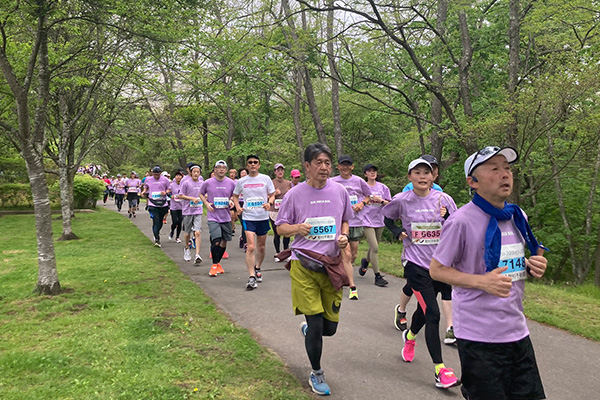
[[132, 84]]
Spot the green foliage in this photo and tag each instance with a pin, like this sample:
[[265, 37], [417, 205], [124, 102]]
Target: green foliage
[[86, 190], [13, 170], [15, 194]]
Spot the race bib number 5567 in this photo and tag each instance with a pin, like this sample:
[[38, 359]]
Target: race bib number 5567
[[322, 228]]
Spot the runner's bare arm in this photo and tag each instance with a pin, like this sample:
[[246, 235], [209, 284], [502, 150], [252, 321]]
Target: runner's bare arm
[[288, 230], [536, 265], [236, 202], [209, 206], [343, 238], [492, 282]]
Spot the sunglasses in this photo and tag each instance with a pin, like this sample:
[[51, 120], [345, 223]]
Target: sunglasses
[[483, 152], [253, 162]]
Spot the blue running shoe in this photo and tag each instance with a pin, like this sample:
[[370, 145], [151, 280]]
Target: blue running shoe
[[318, 384], [303, 328]]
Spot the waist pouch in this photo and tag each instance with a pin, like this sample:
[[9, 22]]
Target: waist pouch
[[310, 264]]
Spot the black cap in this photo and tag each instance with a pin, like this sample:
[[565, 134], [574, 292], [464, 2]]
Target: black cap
[[345, 158], [368, 167], [156, 170], [430, 159], [179, 172]]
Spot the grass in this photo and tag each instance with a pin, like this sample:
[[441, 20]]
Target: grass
[[575, 309], [128, 325]]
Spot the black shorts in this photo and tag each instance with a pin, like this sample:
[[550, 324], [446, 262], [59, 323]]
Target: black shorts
[[421, 277], [500, 371]]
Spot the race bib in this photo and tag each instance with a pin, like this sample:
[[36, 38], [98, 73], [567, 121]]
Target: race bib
[[156, 196], [353, 200], [277, 203], [221, 202], [176, 198], [195, 204], [426, 233], [322, 228], [513, 257], [254, 202], [132, 189]]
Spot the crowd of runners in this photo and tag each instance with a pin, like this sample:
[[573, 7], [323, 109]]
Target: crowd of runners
[[473, 256]]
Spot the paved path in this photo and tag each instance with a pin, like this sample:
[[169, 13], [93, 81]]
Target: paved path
[[362, 361]]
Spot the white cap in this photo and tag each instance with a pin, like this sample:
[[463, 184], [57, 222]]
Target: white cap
[[418, 161], [486, 153], [221, 163]]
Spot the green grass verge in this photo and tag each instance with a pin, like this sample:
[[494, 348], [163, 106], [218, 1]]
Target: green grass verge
[[572, 308], [128, 325]]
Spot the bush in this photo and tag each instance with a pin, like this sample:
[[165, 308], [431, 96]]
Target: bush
[[14, 194], [86, 191]]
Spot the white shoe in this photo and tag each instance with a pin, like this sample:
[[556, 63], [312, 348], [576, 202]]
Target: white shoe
[[170, 237], [276, 259], [198, 259], [187, 256]]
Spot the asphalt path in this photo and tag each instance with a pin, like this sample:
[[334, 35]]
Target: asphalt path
[[362, 360]]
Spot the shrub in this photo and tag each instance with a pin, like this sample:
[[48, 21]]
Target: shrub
[[86, 191], [14, 194]]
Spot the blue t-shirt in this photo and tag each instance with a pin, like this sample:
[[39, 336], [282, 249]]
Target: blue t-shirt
[[410, 187]]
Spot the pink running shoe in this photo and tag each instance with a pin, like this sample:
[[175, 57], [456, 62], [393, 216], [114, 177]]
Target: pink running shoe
[[408, 351], [446, 379]]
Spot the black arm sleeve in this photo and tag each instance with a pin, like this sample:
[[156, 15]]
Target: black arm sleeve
[[396, 230]]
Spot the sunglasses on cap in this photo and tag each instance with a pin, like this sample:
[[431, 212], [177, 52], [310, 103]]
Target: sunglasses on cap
[[483, 152]]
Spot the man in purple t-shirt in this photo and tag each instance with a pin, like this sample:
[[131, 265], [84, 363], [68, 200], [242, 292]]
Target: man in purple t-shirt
[[133, 185], [156, 189], [317, 213], [482, 254], [216, 195], [359, 193]]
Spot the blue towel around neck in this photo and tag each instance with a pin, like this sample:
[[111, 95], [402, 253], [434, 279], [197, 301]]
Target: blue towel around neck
[[493, 236]]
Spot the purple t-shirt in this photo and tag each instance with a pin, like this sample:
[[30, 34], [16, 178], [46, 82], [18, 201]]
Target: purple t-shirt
[[325, 209], [372, 213], [477, 315], [357, 190], [176, 204], [218, 194], [119, 186], [133, 185], [421, 218], [191, 188], [154, 188]]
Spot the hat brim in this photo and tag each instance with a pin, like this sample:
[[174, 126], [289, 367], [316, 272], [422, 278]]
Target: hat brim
[[509, 153]]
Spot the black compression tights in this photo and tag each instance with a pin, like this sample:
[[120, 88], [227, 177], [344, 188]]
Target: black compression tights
[[318, 326]]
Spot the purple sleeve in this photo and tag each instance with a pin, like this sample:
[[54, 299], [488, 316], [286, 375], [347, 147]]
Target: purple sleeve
[[386, 193], [366, 190], [393, 209], [348, 213], [286, 212], [451, 245]]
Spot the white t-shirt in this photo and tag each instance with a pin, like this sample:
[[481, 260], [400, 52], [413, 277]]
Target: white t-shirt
[[256, 191]]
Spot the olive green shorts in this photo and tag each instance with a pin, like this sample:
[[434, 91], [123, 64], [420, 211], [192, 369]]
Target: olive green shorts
[[313, 293], [355, 233]]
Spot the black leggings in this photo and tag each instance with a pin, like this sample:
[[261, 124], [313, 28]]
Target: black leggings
[[176, 221], [318, 326], [157, 214], [277, 238], [428, 311], [119, 200]]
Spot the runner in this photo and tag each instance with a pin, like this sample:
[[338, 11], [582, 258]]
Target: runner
[[359, 193], [282, 186], [373, 223], [436, 169], [133, 185], [192, 212], [482, 254], [243, 172], [168, 176], [259, 194], [406, 293], [108, 187], [176, 206], [295, 177], [216, 193], [317, 213], [119, 191], [420, 212], [155, 190], [233, 176]]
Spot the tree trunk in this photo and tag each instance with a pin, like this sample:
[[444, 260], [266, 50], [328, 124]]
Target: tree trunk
[[335, 86], [296, 112], [300, 56], [66, 201], [512, 135], [205, 145], [437, 140]]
